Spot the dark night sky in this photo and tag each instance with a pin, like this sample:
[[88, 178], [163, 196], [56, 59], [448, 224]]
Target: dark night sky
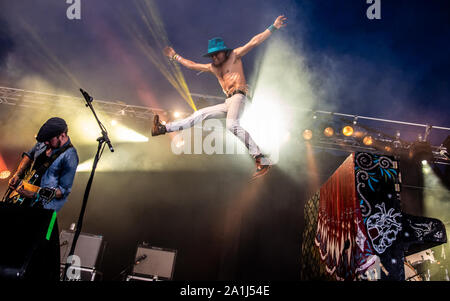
[[395, 68]]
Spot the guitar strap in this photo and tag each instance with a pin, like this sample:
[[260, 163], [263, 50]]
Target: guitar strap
[[43, 168]]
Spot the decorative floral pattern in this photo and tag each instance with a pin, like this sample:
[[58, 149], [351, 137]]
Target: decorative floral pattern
[[383, 227]]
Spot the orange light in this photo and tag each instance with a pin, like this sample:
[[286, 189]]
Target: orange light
[[347, 130], [307, 134], [368, 140], [328, 131], [5, 174]]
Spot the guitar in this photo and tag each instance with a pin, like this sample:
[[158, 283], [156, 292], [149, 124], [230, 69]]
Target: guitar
[[32, 175], [43, 195]]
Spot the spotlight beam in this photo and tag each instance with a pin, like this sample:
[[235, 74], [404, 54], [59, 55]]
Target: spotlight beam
[[171, 71]]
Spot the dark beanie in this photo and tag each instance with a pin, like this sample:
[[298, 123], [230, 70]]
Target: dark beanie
[[53, 127]]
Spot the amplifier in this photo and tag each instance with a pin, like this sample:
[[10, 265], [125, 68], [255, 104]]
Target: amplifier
[[89, 248], [158, 263], [137, 278]]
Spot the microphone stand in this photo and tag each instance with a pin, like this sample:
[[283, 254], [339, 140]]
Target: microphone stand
[[101, 145]]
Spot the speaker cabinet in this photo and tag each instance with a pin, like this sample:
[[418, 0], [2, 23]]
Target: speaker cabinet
[[29, 247], [89, 248], [154, 262]]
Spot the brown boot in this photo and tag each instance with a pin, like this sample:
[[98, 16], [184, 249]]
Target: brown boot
[[158, 128], [262, 166]]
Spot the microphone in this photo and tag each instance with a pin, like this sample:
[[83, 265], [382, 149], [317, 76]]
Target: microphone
[[86, 95], [106, 138], [139, 259]]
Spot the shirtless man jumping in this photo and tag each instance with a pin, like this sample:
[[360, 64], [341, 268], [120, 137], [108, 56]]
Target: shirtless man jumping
[[227, 67]]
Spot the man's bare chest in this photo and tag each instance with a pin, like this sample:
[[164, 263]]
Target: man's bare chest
[[229, 70]]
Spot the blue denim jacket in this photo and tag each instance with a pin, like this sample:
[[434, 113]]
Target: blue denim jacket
[[59, 175]]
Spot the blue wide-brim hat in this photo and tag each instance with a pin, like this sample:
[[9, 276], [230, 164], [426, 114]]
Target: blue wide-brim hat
[[216, 45]]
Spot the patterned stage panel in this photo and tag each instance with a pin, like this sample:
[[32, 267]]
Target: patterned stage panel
[[354, 226]]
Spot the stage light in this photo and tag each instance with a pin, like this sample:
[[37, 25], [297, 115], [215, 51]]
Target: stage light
[[397, 134], [176, 114], [424, 162], [163, 122], [5, 174], [328, 131], [307, 134], [368, 140], [124, 134], [88, 131], [347, 130], [355, 120]]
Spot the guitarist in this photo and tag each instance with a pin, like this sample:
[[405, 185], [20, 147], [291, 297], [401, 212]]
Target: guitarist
[[54, 156]]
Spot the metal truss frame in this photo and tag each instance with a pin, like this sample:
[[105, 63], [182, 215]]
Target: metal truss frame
[[42, 100]]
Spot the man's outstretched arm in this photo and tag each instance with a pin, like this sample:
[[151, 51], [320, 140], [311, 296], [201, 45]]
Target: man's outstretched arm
[[259, 38], [171, 54]]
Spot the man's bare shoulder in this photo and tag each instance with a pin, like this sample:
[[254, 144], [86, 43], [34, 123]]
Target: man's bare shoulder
[[234, 55]]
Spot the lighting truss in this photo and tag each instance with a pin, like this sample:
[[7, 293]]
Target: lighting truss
[[41, 100], [384, 142]]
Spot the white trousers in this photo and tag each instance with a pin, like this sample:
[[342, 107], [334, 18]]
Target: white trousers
[[232, 110]]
